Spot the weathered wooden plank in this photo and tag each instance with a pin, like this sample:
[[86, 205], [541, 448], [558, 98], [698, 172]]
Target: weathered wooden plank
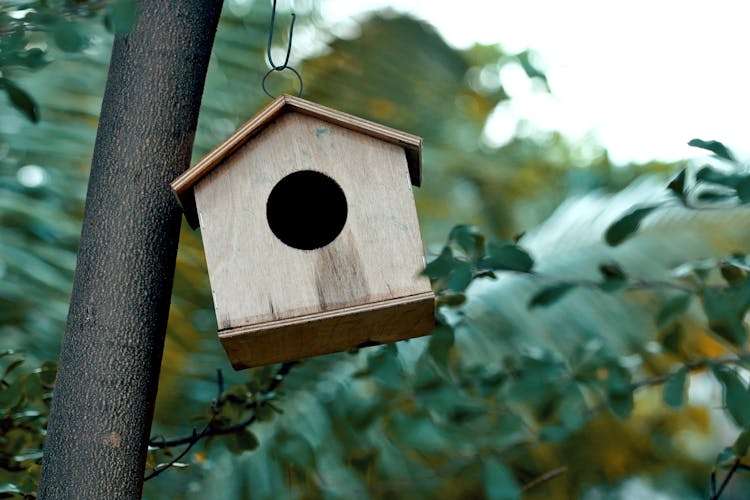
[[327, 332]]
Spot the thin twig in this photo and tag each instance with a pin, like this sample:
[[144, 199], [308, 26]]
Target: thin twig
[[692, 366], [176, 459], [713, 482], [219, 431], [727, 478], [209, 429], [544, 478]]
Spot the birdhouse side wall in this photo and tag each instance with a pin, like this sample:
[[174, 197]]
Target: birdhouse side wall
[[256, 278]]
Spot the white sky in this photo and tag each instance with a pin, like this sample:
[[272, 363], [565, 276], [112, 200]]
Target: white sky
[[643, 77]]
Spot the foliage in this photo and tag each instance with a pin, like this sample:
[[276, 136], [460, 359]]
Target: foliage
[[493, 421], [228, 417], [28, 26], [24, 405], [563, 366]]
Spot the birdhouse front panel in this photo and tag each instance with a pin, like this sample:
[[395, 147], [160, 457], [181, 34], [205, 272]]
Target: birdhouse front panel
[[312, 241], [256, 276]]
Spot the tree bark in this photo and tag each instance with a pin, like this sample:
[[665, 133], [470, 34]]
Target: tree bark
[[112, 348]]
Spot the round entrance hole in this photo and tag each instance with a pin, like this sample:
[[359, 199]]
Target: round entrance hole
[[306, 210]]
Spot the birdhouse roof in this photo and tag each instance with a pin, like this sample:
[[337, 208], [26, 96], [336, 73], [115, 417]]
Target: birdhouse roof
[[183, 185]]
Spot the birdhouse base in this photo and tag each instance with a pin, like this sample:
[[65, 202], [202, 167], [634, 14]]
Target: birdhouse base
[[330, 331]]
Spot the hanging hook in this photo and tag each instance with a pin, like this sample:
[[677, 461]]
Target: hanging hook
[[285, 66], [270, 39]]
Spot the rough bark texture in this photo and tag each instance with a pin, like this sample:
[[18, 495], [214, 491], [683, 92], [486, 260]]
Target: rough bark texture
[[112, 348]]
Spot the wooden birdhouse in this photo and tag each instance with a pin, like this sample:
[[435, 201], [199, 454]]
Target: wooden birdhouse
[[310, 234]]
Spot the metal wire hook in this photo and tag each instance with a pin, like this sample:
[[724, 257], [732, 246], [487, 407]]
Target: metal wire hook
[[285, 66], [270, 39], [296, 73]]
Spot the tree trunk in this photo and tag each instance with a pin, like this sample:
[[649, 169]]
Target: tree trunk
[[112, 348]]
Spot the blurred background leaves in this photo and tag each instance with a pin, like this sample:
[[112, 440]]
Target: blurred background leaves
[[500, 395]]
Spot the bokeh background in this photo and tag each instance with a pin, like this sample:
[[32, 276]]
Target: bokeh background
[[502, 152]]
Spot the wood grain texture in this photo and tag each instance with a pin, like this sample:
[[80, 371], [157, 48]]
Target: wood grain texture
[[340, 330], [112, 348], [183, 185], [256, 278]]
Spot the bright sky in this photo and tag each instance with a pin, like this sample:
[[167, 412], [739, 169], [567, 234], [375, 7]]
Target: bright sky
[[643, 77]]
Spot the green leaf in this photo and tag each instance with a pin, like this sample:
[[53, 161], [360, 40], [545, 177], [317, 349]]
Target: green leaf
[[384, 367], [498, 481], [733, 275], [618, 379], [48, 372], [623, 228], [619, 389], [441, 342], [738, 183], [672, 340], [507, 257], [677, 185], [247, 440], [736, 395], [442, 265], [743, 189], [742, 443], [296, 450], [715, 147], [426, 376], [362, 461], [615, 278], [12, 41], [673, 308], [460, 278], [29, 456], [450, 299], [554, 434], [711, 175], [725, 309], [550, 294], [12, 366], [538, 379], [20, 99], [572, 410], [175, 465], [485, 274], [121, 16], [32, 386], [621, 405], [612, 270], [469, 239], [68, 37], [418, 431], [675, 387], [10, 489], [525, 58], [31, 59], [11, 395], [264, 413], [724, 456], [709, 196]]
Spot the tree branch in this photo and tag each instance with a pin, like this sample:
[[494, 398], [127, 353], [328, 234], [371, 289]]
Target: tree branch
[[692, 366], [209, 429], [544, 478], [735, 465]]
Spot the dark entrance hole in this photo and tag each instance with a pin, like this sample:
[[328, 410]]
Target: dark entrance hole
[[306, 210]]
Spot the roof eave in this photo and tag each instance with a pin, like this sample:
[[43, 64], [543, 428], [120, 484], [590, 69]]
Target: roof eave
[[182, 186]]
